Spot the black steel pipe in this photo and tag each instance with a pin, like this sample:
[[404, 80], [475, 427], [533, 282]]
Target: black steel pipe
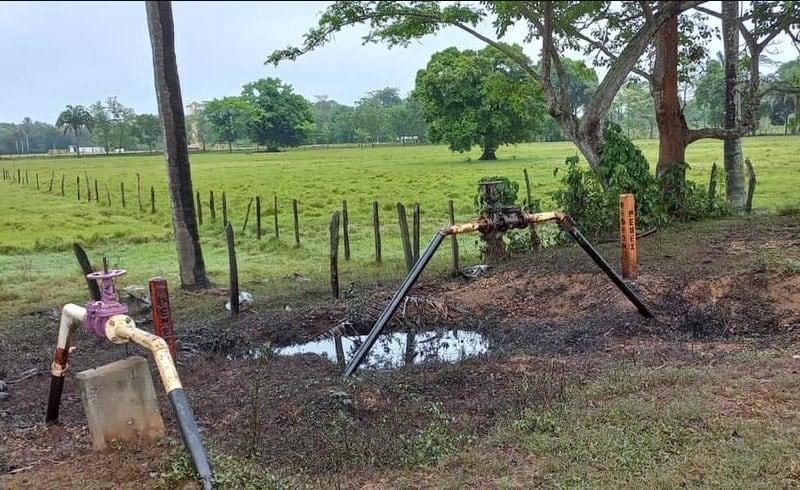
[[409, 281], [573, 231], [54, 400], [191, 437]]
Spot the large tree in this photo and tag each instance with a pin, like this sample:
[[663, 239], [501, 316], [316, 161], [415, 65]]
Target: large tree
[[75, 118], [279, 117], [170, 108], [229, 117], [478, 98], [146, 129], [554, 23]]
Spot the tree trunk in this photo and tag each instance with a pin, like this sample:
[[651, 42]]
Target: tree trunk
[[170, 108], [669, 117], [734, 165], [77, 142], [488, 154], [230, 147]]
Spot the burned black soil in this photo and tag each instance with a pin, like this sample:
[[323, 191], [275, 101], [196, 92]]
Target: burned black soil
[[552, 321]]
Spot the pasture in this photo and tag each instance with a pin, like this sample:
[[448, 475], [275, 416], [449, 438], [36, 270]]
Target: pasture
[[39, 227]]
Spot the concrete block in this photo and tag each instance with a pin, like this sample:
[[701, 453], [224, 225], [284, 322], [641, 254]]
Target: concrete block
[[120, 402]]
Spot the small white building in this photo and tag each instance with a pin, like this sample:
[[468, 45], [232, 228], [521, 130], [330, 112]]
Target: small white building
[[89, 150]]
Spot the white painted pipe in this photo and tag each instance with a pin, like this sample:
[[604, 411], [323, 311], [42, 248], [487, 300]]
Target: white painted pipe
[[70, 314]]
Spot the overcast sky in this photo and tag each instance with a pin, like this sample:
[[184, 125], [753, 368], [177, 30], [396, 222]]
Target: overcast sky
[[54, 54]]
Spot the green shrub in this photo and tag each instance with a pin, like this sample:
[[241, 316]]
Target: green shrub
[[627, 171]]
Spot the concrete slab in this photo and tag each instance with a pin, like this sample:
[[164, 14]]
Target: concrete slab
[[120, 402]]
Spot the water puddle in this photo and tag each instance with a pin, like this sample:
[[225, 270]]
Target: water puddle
[[397, 349]]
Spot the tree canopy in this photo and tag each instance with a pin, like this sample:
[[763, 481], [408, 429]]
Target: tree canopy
[[478, 98], [277, 116]]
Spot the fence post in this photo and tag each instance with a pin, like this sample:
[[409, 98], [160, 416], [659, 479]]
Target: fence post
[[96, 192], [224, 209], [37, 181], [346, 230], [211, 206], [453, 240], [234, 270], [401, 217], [88, 187], [122, 192], [275, 208], [62, 184], [247, 215], [152, 200], [335, 255], [139, 191], [199, 209], [376, 225], [416, 228], [79, 187], [627, 235], [52, 176], [163, 325], [108, 195], [258, 217], [295, 214]]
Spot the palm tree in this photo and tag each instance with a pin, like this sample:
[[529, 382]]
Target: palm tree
[[170, 107], [75, 118]]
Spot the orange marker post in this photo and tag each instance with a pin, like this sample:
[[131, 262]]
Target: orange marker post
[[627, 236]]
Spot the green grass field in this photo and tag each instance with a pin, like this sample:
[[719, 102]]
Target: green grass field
[[39, 227]]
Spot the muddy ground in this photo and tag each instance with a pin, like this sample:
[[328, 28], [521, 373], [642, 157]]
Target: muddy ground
[[552, 321]]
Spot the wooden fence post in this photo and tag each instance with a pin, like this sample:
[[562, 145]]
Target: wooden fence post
[[335, 254], [88, 187], [86, 268], [96, 192], [62, 184], [52, 176], [247, 215], [234, 270], [346, 230], [224, 209], [79, 187], [627, 235], [296, 217], [258, 217], [416, 228], [19, 177], [108, 195], [152, 200], [376, 225], [37, 181], [401, 217], [211, 206], [122, 193], [275, 208], [27, 182], [453, 239], [536, 242], [199, 209], [139, 191]]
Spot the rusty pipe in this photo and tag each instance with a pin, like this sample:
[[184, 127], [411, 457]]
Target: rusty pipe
[[121, 329], [71, 316]]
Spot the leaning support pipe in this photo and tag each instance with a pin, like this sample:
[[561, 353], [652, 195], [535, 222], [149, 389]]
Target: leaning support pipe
[[568, 225], [409, 281], [121, 329]]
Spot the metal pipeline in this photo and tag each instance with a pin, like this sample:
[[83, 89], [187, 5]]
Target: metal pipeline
[[488, 222], [121, 329], [71, 316]]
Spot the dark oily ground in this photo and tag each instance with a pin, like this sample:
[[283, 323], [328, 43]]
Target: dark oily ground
[[552, 320]]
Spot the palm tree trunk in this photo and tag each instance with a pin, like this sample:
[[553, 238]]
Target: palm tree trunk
[[170, 108], [77, 141], [734, 164]]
